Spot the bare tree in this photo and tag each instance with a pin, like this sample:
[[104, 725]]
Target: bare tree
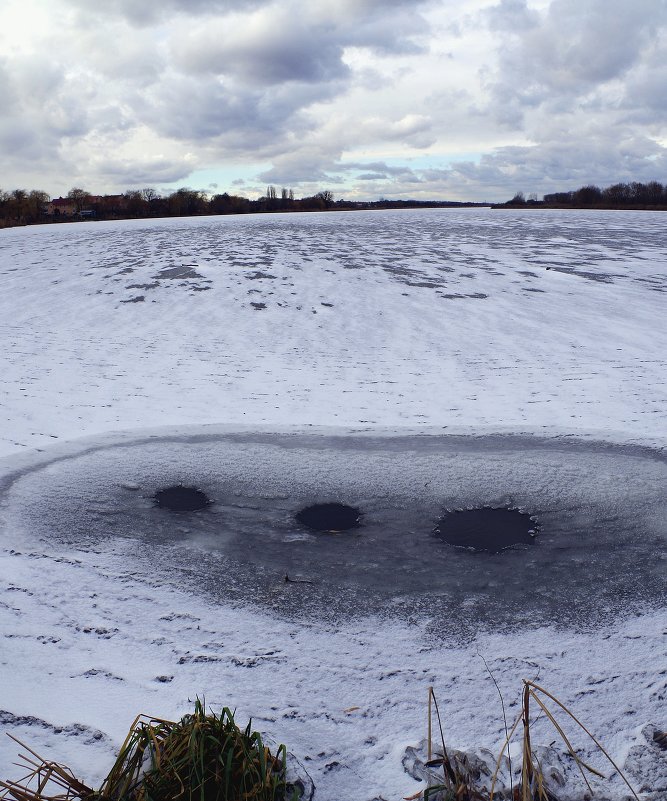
[[79, 197], [327, 198], [149, 194]]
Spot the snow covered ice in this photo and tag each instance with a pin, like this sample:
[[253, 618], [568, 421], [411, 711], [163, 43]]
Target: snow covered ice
[[401, 362]]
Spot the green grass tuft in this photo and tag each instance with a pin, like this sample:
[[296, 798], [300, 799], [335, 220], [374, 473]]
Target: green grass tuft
[[203, 757]]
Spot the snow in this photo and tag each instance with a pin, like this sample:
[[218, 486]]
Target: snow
[[479, 356]]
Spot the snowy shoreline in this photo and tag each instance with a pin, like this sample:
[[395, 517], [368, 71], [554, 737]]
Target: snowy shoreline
[[101, 644]]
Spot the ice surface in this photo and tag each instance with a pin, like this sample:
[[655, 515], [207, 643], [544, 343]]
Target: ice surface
[[400, 362], [392, 319], [602, 512]]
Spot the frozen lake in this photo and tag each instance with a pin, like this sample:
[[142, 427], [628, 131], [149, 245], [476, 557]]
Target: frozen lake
[[475, 319], [404, 363]]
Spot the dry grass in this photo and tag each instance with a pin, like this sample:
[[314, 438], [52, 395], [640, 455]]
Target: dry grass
[[457, 785], [203, 757]]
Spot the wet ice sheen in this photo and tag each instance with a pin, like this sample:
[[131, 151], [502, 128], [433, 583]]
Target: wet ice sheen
[[602, 512]]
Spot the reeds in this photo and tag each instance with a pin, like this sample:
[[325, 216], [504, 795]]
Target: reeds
[[203, 757], [458, 785]]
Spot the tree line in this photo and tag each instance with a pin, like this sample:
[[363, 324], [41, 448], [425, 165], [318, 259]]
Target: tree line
[[634, 195], [23, 207]]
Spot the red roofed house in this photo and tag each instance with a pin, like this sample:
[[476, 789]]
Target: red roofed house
[[61, 207]]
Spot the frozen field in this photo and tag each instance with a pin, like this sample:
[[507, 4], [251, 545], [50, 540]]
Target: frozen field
[[403, 362]]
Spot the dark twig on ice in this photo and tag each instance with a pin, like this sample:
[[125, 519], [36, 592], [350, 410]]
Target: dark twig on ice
[[288, 580]]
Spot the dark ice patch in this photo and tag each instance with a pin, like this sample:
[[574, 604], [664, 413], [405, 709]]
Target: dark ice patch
[[181, 499], [258, 275], [184, 271], [490, 529], [329, 517], [474, 295]]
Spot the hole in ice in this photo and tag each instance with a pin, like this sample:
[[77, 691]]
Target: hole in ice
[[489, 529], [181, 499], [329, 517]]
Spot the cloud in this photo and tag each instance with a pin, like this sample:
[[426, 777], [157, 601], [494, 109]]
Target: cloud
[[292, 41], [511, 16], [149, 12], [39, 111], [263, 50], [143, 172], [644, 94], [235, 119], [312, 165], [399, 172], [603, 158], [376, 96], [132, 64], [308, 167], [568, 52], [245, 82]]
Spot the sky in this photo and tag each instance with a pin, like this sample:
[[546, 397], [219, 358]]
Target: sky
[[427, 99]]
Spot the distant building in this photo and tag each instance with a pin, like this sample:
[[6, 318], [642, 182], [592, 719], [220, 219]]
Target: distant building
[[102, 205], [61, 207]]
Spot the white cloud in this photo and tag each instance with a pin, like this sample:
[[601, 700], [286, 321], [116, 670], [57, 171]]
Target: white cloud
[[546, 92]]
